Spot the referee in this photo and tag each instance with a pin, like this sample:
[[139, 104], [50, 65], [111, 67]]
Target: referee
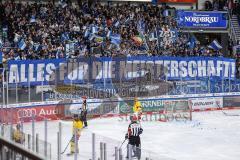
[[133, 136]]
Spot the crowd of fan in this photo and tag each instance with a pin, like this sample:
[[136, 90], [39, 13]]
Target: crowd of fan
[[216, 5], [48, 31], [236, 10]]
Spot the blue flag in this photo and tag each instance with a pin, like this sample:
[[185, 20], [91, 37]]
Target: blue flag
[[86, 33], [192, 42], [215, 45], [115, 39], [116, 24], [165, 13], [127, 21], [21, 44], [64, 36], [94, 29], [109, 33], [1, 44], [141, 26], [36, 46], [91, 36], [63, 3], [154, 2], [153, 36], [33, 19]]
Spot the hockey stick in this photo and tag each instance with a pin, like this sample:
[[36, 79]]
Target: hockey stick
[[226, 114], [219, 107], [120, 146], [66, 147], [122, 143], [68, 144]]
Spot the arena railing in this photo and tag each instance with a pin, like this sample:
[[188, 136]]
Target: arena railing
[[61, 133], [11, 150], [233, 32], [29, 141], [93, 146]]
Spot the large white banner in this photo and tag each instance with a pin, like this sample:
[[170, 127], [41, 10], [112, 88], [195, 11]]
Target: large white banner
[[203, 103]]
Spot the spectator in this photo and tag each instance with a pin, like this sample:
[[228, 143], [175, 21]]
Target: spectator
[[48, 31], [208, 6]]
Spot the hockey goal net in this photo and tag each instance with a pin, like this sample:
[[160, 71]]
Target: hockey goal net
[[177, 110]]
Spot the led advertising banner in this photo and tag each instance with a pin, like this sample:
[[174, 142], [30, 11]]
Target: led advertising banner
[[201, 19]]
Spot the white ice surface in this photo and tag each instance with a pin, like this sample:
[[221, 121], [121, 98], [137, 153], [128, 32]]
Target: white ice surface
[[210, 136]]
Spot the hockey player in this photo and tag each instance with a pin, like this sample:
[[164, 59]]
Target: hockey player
[[18, 135], [84, 112], [133, 136], [137, 108], [77, 127]]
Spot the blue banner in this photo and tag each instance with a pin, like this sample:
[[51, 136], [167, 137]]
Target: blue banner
[[202, 19], [105, 69], [205, 86]]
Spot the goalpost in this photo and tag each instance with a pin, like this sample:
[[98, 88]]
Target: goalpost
[[177, 110]]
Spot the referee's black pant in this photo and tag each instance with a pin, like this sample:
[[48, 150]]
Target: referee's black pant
[[135, 143]]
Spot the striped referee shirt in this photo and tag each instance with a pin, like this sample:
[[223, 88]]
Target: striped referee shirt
[[134, 129]]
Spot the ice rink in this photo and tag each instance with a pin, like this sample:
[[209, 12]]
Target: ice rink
[[210, 136]]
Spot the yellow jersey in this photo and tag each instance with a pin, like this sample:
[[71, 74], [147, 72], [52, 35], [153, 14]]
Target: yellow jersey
[[137, 107], [77, 125]]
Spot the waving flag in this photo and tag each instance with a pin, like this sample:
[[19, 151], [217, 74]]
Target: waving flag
[[109, 33], [65, 36], [32, 19], [215, 45], [141, 26], [140, 40], [137, 40], [94, 29], [99, 39], [91, 36], [116, 24], [165, 13], [174, 34], [127, 21], [154, 2], [86, 33], [115, 39], [21, 44], [153, 36], [63, 3], [192, 42], [1, 44], [36, 46]]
